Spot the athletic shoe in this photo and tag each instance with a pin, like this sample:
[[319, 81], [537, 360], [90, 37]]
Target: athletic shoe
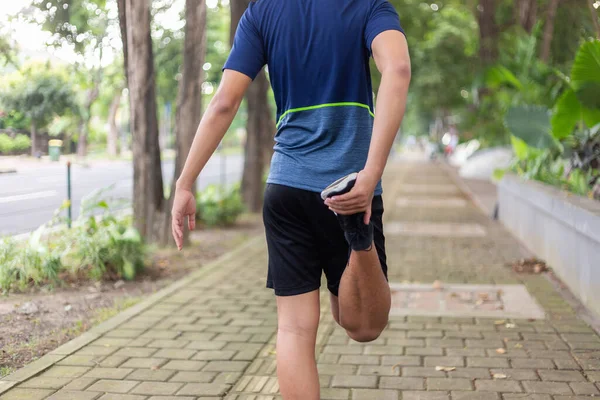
[[358, 235]]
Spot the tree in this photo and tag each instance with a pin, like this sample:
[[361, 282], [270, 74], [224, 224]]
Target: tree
[[81, 24], [488, 32], [260, 126], [548, 30], [594, 11], [40, 93], [151, 210], [526, 14]]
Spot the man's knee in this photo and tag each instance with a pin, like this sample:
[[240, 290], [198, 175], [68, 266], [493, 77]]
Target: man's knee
[[365, 335]]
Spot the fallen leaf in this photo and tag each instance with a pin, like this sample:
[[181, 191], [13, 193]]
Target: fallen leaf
[[510, 326], [483, 296], [518, 346], [445, 369], [500, 322], [479, 302], [68, 307], [437, 285], [499, 376], [501, 351], [454, 295], [396, 366]]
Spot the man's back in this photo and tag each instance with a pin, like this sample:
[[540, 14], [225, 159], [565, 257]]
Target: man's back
[[317, 53]]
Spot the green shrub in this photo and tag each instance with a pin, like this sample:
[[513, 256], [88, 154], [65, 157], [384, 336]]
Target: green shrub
[[6, 144], [99, 246], [21, 143], [219, 206]]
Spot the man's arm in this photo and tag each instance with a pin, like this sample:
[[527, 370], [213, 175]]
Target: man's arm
[[390, 51], [213, 126]]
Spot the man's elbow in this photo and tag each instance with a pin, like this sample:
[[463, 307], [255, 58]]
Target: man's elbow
[[224, 104], [399, 70]]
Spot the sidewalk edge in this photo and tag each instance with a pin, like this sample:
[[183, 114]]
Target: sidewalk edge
[[48, 360]]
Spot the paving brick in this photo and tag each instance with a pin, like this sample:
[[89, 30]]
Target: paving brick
[[136, 352], [425, 334], [404, 383], [74, 395], [471, 373], [357, 360], [379, 370], [456, 352], [414, 395], [82, 361], [337, 369], [571, 397], [526, 396], [204, 389], [175, 354], [475, 396], [547, 387], [114, 396], [383, 350], [45, 382], [144, 363], [226, 366], [518, 374], [402, 360], [487, 362], [334, 394], [593, 376], [113, 361], [108, 373], [78, 384], [174, 398], [150, 375], [422, 372], [562, 376], [26, 394], [504, 386], [112, 386], [374, 394], [342, 350], [563, 363], [354, 381], [406, 342], [449, 384], [584, 388], [444, 361], [445, 343], [157, 388], [424, 351], [532, 363], [193, 377], [65, 372]]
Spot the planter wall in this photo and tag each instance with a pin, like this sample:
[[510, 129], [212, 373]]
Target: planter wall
[[561, 228]]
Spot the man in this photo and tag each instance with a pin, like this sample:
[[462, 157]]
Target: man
[[317, 52]]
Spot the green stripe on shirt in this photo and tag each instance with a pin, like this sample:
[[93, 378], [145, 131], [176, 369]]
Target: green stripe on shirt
[[342, 104]]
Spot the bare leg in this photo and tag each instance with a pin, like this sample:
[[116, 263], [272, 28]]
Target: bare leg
[[364, 297], [298, 320]]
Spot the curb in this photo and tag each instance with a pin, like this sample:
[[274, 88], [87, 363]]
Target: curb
[[48, 360], [465, 189], [8, 171]]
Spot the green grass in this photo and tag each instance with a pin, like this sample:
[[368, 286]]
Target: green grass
[[4, 371]]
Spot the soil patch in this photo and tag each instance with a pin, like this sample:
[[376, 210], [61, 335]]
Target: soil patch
[[40, 320]]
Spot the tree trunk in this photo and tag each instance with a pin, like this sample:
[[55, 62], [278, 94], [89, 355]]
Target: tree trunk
[[488, 32], [83, 134], [259, 127], [189, 97], [594, 17], [92, 95], [148, 196], [122, 8], [112, 145], [33, 139], [548, 30], [526, 14]]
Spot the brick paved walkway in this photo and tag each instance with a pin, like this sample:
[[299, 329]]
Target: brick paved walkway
[[212, 335]]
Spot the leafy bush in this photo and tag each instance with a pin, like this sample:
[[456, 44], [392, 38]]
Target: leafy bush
[[99, 246], [561, 147], [6, 144], [21, 143], [219, 206]]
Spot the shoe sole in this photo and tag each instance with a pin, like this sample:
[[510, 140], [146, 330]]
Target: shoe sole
[[338, 186]]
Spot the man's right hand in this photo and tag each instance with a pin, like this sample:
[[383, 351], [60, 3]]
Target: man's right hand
[[184, 205]]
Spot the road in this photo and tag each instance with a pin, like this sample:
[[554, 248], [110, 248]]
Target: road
[[29, 197]]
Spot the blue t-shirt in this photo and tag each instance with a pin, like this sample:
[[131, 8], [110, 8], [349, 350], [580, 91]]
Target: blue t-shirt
[[317, 52]]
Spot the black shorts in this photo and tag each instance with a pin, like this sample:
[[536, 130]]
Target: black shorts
[[304, 238]]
